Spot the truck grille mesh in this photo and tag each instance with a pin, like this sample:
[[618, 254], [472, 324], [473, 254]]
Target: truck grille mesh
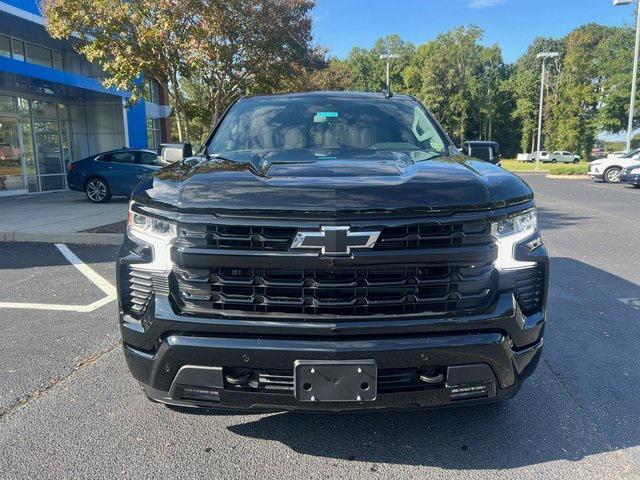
[[262, 238], [341, 291]]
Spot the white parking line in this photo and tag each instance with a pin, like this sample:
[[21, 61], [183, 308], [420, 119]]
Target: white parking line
[[87, 271], [632, 302], [98, 280]]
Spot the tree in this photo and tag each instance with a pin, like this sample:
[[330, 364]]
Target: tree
[[230, 47], [614, 56], [524, 85], [579, 92], [242, 47], [129, 40]]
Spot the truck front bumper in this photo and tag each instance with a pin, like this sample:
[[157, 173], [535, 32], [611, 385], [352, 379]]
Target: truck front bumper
[[193, 369]]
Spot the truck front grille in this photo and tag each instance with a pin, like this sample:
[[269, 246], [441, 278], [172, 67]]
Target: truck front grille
[[348, 291], [279, 238]]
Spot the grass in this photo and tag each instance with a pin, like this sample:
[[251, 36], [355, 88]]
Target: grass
[[517, 166], [553, 169], [577, 169]]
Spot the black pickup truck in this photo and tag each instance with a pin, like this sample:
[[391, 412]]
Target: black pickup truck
[[331, 251]]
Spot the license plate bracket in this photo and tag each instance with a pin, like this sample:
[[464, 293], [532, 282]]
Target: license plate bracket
[[335, 381]]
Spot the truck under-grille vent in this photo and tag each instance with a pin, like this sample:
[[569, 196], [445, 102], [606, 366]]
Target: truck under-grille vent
[[352, 291], [530, 289], [261, 238]]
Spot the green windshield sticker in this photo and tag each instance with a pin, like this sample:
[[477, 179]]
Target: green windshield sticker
[[322, 117]]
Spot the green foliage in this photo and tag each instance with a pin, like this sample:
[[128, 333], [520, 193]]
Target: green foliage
[[577, 169]]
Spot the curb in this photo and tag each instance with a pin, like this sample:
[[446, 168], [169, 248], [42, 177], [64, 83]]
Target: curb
[[568, 177], [80, 237]]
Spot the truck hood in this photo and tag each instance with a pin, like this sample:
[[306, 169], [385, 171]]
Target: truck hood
[[373, 182]]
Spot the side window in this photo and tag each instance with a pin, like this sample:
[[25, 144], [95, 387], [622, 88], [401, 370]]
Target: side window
[[123, 157], [147, 158]]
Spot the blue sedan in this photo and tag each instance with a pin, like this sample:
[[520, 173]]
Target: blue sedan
[[114, 173]]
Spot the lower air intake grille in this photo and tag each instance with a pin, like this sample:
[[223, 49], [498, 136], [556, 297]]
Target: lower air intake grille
[[142, 287], [281, 381], [357, 291], [140, 291], [530, 289]]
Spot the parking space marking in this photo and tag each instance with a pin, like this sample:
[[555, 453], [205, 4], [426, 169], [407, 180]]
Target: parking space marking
[[87, 271], [97, 279], [632, 302]]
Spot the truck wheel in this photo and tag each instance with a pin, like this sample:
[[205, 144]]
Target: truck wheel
[[554, 161], [97, 190], [612, 175], [575, 160]]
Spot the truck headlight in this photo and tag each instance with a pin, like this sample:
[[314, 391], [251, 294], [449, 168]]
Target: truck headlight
[[508, 233], [159, 234]]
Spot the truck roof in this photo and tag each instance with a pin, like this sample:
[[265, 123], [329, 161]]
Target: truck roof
[[326, 94]]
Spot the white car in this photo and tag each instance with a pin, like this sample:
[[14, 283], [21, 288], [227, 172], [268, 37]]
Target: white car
[[543, 156], [560, 156], [608, 169]]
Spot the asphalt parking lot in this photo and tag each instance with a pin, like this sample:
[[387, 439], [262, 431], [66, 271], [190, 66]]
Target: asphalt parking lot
[[69, 409]]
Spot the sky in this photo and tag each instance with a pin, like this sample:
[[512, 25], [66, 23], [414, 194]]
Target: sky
[[513, 24]]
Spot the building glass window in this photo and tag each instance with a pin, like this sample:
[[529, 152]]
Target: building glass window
[[17, 49], [38, 55], [153, 132], [58, 62], [5, 46], [6, 104], [43, 109], [35, 145], [23, 106], [151, 91]]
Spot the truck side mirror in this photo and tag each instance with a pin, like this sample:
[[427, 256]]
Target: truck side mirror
[[173, 152]]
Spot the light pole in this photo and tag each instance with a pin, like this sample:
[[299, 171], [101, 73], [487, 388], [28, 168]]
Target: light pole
[[543, 56], [634, 81], [388, 57]]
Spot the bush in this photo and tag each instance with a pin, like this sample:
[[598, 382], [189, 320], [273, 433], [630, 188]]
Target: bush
[[573, 169]]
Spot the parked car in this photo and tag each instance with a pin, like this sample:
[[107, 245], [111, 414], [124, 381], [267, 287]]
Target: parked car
[[113, 173], [331, 251], [563, 157], [609, 169], [631, 175], [525, 157], [543, 156], [484, 150]]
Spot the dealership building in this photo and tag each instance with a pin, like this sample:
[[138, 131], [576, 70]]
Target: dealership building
[[54, 109]]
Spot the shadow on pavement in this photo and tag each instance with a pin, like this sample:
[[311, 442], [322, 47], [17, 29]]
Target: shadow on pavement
[[23, 255], [553, 219], [582, 400]]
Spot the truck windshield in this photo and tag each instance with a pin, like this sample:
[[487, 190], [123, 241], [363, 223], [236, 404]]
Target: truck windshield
[[326, 126]]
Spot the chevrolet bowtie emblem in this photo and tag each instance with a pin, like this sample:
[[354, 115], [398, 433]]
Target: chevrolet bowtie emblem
[[335, 240]]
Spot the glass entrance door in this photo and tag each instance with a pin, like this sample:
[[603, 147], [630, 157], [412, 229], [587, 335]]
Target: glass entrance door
[[11, 171], [51, 171]]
